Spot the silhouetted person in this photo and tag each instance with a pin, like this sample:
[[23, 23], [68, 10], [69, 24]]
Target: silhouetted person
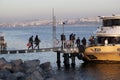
[[84, 42], [78, 42], [36, 42], [63, 38], [92, 40], [72, 38], [30, 44]]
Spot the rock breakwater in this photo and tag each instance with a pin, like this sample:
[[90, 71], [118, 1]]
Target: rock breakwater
[[25, 70]]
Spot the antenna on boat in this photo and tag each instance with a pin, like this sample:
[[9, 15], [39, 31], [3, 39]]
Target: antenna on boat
[[113, 14], [54, 27], [100, 17]]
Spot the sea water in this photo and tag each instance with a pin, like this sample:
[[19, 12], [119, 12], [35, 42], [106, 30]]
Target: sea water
[[17, 38]]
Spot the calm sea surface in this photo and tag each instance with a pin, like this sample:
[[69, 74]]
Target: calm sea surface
[[17, 38]]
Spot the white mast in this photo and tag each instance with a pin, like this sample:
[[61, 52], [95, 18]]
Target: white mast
[[54, 27]]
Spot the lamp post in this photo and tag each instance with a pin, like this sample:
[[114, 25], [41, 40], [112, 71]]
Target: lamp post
[[63, 23]]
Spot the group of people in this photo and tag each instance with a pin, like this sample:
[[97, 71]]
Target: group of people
[[78, 42], [92, 40], [72, 41], [32, 41]]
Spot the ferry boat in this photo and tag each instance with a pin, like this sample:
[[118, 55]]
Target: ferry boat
[[107, 48]]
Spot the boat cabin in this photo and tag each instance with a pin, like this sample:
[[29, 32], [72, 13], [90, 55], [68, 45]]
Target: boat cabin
[[109, 30]]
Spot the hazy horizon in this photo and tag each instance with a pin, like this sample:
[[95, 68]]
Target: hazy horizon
[[18, 10]]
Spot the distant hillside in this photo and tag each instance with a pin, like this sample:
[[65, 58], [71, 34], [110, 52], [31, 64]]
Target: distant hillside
[[74, 21]]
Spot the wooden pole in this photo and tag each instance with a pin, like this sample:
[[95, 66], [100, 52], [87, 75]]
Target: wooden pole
[[73, 60], [66, 61], [58, 60]]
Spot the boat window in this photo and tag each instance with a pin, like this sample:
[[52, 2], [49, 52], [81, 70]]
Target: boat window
[[111, 22], [97, 49]]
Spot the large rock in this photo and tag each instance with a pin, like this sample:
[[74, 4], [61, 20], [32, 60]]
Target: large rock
[[35, 76], [41, 71], [11, 77], [4, 74], [51, 78], [17, 65], [32, 63], [2, 61], [47, 69], [7, 66], [38, 68], [30, 70], [46, 66], [18, 69], [17, 62], [19, 75]]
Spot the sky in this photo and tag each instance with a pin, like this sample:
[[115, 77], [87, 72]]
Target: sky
[[13, 10]]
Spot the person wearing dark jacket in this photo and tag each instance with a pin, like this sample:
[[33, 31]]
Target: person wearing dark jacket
[[78, 42], [30, 44], [63, 38], [36, 42], [84, 42]]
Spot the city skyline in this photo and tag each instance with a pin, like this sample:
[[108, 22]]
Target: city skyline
[[18, 10]]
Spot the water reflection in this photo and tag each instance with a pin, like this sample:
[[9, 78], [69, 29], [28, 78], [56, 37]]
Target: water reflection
[[91, 72], [100, 71]]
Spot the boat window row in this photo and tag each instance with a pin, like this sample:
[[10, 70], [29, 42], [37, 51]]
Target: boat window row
[[98, 49], [111, 22], [111, 40]]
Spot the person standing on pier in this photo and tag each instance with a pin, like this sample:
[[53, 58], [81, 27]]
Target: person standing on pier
[[72, 39], [30, 43], [84, 42], [78, 42], [71, 36], [63, 38], [37, 41]]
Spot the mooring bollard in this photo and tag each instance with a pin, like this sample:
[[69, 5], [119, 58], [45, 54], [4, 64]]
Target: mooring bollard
[[58, 60]]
